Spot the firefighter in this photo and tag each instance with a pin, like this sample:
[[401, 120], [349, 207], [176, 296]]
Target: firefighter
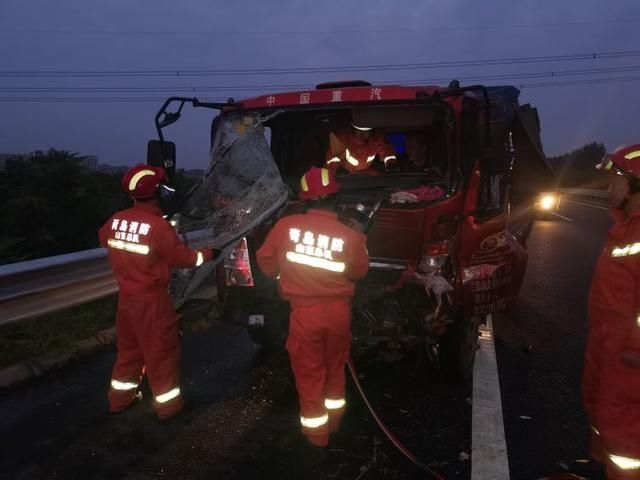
[[142, 248], [611, 378], [356, 148], [317, 259]]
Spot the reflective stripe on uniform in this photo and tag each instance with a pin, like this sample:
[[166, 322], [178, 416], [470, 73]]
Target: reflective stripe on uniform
[[315, 262], [334, 160], [324, 175], [314, 422], [170, 395], [200, 259], [390, 157], [351, 159], [334, 404], [631, 249], [625, 463], [118, 385], [128, 246]]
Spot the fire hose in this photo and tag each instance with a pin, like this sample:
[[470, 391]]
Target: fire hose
[[369, 216], [389, 434]]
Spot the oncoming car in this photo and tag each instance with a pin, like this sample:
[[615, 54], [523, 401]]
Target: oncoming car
[[547, 203]]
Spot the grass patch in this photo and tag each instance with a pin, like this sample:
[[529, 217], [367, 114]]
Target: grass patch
[[55, 333]]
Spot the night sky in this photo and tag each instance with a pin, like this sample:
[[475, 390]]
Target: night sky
[[587, 99]]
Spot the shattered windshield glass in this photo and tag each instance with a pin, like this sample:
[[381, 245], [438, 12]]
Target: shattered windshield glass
[[241, 188]]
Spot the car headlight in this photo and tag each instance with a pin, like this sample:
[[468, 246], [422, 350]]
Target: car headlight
[[548, 202]]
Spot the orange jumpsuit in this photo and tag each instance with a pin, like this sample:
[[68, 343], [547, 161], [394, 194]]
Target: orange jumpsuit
[[318, 259], [611, 379], [142, 249], [355, 154]]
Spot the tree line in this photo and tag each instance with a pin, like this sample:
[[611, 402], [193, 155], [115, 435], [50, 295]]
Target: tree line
[[51, 204], [577, 168]]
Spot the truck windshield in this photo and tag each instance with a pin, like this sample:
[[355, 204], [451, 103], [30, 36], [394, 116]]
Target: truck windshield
[[418, 137], [242, 186]]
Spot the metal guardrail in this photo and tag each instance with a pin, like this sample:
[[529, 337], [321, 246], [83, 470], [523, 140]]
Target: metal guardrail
[[47, 285], [596, 196]]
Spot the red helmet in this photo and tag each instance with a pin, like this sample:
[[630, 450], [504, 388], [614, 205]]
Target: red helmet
[[624, 159], [142, 181], [318, 183]]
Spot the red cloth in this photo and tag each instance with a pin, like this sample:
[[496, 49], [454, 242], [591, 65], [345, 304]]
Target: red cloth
[[611, 387], [142, 249], [361, 153], [424, 193], [319, 293]]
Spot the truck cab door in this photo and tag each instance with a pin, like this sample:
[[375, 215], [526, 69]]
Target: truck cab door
[[491, 260]]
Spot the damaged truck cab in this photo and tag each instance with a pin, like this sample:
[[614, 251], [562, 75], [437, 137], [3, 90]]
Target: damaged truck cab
[[447, 229]]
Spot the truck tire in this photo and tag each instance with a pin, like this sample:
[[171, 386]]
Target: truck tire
[[457, 351], [272, 335]]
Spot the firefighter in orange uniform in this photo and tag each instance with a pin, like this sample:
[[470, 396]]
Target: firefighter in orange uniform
[[611, 379], [356, 148], [318, 259], [142, 248]]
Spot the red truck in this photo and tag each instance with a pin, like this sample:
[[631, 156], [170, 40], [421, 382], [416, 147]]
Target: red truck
[[439, 263]]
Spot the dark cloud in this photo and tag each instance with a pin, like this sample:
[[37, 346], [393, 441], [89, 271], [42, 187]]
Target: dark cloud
[[75, 35]]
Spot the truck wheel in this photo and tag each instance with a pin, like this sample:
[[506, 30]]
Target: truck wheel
[[457, 351], [273, 332], [272, 335]]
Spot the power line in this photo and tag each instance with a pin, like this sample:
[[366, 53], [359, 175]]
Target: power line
[[506, 26], [594, 81], [85, 99], [211, 99], [265, 88], [309, 70]]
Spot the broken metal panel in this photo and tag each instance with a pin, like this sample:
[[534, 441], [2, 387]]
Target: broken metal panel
[[241, 189]]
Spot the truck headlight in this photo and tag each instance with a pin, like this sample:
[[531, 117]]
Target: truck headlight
[[238, 266]]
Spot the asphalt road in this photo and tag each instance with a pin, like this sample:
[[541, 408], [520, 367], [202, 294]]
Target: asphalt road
[[242, 421], [540, 346]]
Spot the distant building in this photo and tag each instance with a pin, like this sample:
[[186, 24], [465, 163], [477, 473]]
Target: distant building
[[112, 169], [90, 162], [11, 157]]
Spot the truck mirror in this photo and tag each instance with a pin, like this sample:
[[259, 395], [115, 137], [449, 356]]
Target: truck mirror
[[162, 154]]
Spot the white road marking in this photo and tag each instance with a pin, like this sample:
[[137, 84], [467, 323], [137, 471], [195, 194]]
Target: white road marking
[[586, 204], [488, 445], [562, 217]]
